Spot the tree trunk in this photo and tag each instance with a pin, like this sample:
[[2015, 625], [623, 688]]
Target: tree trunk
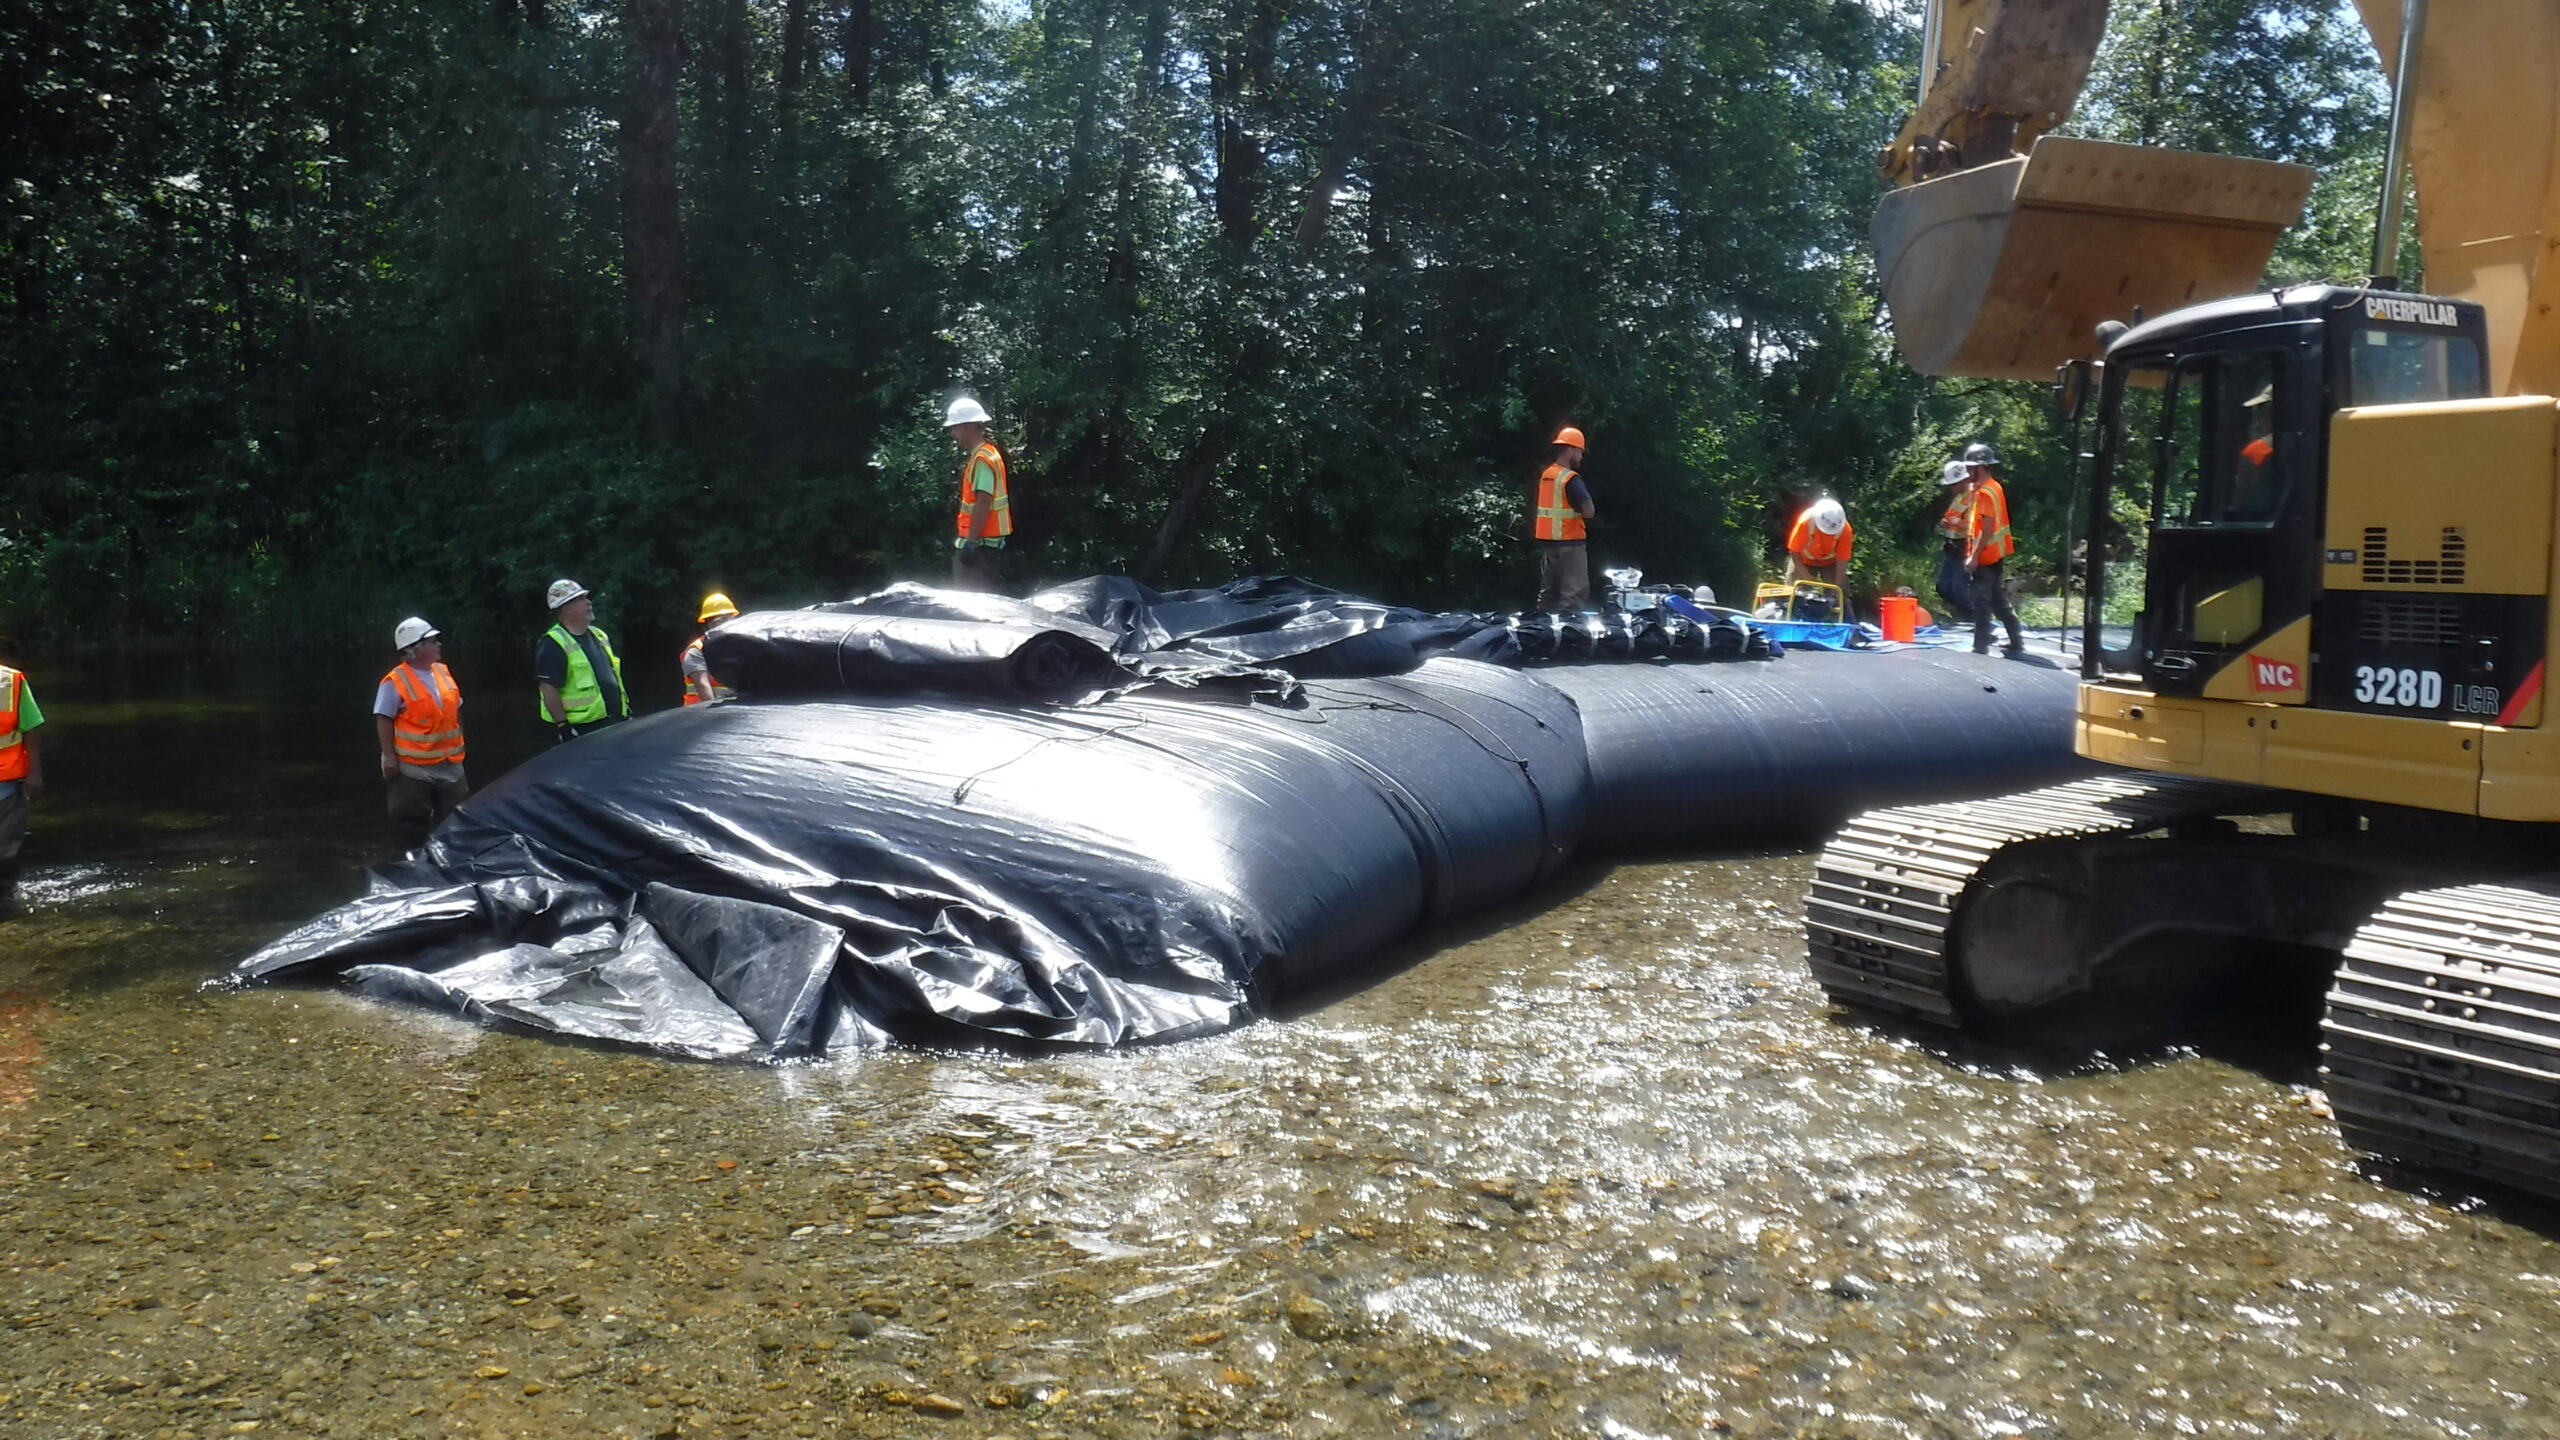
[[1121, 271], [736, 103], [795, 61], [1193, 478], [1238, 81], [857, 51], [653, 258], [1367, 97]]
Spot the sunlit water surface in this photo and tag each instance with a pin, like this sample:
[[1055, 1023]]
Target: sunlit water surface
[[1606, 1165]]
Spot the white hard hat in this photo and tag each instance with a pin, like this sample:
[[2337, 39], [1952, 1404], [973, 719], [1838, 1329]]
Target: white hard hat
[[1828, 517], [1954, 472], [562, 592], [410, 631], [964, 411]]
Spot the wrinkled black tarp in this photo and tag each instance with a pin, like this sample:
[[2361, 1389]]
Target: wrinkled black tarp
[[1106, 634], [768, 880]]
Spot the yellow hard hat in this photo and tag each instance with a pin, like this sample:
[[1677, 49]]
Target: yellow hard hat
[[1568, 436], [715, 603]]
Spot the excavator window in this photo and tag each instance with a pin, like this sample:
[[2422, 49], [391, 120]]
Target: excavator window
[[2399, 367], [2218, 461], [2197, 453]]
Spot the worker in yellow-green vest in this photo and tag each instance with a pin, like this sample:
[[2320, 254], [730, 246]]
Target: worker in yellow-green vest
[[417, 726], [574, 664], [21, 773], [986, 509]]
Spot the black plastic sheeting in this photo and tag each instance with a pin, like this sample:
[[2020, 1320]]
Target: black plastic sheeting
[[1080, 641], [761, 881], [1691, 755], [1107, 814]]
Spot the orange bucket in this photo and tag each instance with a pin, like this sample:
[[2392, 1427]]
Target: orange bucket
[[1898, 616]]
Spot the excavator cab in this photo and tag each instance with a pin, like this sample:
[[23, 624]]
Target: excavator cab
[[2230, 536]]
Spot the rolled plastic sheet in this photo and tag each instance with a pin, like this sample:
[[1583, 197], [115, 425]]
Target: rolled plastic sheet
[[788, 653], [763, 881], [1690, 755]]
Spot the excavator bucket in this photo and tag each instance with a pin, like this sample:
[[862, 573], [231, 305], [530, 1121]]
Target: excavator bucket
[[2003, 271]]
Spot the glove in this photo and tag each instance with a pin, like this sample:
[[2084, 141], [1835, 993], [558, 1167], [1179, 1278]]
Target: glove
[[564, 732]]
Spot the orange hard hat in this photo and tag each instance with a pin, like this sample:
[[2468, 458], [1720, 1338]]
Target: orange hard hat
[[1568, 436]]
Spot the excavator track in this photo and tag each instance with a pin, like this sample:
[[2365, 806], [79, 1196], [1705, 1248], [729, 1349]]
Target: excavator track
[[1880, 919], [2441, 1047]]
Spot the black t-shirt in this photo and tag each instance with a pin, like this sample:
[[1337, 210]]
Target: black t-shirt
[[551, 667]]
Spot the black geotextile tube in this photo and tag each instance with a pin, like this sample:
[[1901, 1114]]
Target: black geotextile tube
[[1690, 755], [757, 881]]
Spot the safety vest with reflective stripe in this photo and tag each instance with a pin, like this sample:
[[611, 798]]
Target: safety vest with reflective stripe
[[1986, 529], [580, 695], [1557, 519], [1807, 542], [1951, 525], [13, 742], [691, 695], [1000, 511], [428, 729]]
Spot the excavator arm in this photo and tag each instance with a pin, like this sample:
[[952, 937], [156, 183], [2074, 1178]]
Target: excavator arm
[[1998, 75], [2004, 245]]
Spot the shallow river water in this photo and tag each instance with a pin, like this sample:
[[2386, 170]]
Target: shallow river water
[[1605, 1165]]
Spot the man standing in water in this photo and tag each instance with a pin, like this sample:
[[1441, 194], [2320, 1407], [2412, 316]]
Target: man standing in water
[[21, 773], [574, 664], [417, 723], [1564, 504], [986, 509]]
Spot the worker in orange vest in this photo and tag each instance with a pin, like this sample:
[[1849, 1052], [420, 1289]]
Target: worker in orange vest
[[699, 687], [1819, 545], [1986, 545], [1564, 504], [21, 773], [417, 724], [986, 509]]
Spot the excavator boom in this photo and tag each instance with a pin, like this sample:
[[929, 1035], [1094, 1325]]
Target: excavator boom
[[2485, 148]]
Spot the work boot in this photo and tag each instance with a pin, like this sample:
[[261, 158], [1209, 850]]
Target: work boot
[[2015, 649]]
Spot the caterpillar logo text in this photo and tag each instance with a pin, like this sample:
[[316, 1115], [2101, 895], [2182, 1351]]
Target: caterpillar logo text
[[2408, 312]]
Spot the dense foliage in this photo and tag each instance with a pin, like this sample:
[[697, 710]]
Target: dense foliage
[[320, 312]]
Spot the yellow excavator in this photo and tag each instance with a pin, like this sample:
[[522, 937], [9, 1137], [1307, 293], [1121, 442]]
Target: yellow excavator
[[2322, 521]]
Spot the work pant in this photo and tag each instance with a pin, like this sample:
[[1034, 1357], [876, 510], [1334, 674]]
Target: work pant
[[977, 567], [1991, 597], [419, 806], [1797, 569], [1955, 588], [13, 834], [1564, 576]]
